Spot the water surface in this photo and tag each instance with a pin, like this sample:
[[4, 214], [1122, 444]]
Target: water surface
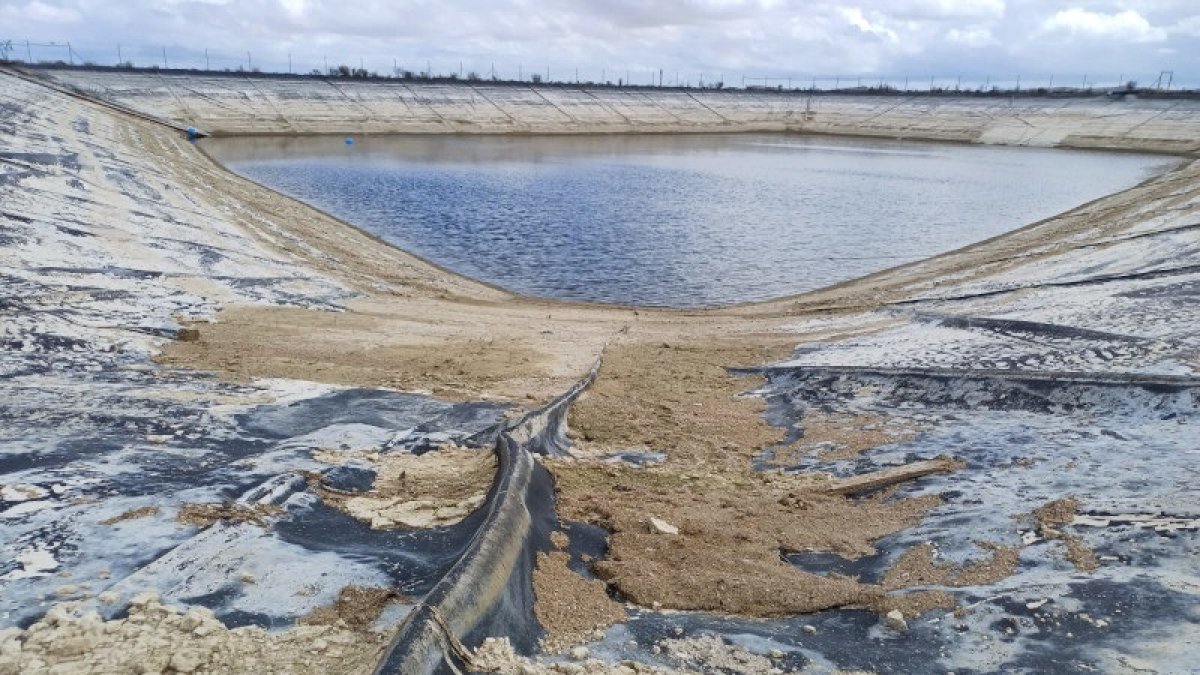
[[684, 221]]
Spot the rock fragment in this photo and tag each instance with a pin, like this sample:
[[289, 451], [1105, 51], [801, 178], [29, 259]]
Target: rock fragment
[[659, 526]]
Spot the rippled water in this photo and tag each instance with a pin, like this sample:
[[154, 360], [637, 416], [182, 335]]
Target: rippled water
[[677, 220]]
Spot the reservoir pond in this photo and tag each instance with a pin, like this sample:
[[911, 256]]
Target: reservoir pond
[[682, 220]]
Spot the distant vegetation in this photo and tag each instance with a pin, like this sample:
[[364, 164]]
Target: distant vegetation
[[345, 71]]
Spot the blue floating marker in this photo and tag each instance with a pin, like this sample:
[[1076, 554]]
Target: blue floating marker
[[349, 140], [192, 133]]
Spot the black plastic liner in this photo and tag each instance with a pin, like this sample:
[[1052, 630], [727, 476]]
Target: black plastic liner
[[489, 591]]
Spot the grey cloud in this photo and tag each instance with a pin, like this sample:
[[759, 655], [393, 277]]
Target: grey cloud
[[974, 38]]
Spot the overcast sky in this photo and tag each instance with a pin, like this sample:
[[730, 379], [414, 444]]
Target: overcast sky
[[1102, 39]]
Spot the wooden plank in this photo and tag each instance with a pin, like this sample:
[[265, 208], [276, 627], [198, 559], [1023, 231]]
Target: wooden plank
[[892, 475]]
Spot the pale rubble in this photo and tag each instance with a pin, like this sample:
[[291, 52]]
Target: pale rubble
[[437, 488], [158, 638], [385, 514], [660, 526], [709, 653], [895, 620], [685, 656]]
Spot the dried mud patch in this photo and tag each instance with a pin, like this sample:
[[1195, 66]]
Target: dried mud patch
[[914, 603], [569, 607], [678, 398], [356, 607], [714, 515], [918, 568], [732, 531], [1051, 518], [203, 515], [132, 514], [434, 489], [832, 437], [357, 348]]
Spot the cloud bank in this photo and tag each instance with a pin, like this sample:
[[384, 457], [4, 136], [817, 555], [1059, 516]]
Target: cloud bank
[[615, 39]]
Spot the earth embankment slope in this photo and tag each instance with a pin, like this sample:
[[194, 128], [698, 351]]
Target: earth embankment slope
[[232, 103]]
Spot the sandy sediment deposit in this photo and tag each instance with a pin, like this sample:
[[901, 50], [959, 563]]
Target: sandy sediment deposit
[[979, 462]]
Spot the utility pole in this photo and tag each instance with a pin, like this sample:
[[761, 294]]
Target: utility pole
[[289, 63], [325, 59], [249, 63], [164, 50], [28, 53], [70, 56], [118, 53]]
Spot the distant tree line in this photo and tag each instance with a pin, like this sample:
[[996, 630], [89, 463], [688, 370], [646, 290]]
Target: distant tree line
[[343, 71]]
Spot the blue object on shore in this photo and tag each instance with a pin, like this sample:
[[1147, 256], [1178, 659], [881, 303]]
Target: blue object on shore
[[192, 133], [349, 140]]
